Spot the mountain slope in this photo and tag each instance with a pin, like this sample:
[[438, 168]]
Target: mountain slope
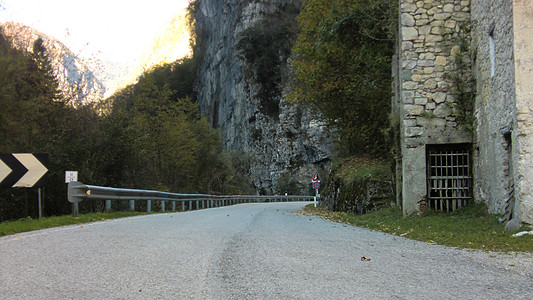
[[287, 144], [169, 44], [76, 79]]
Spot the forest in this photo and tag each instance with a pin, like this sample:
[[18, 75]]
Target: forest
[[151, 134]]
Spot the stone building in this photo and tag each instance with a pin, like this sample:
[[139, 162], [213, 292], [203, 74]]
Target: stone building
[[464, 101]]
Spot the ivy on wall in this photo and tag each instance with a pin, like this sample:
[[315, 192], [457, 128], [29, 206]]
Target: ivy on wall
[[463, 84]]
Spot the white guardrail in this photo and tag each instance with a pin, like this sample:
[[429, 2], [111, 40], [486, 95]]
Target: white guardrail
[[78, 192]]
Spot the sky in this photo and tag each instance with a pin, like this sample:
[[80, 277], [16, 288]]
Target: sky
[[115, 30]]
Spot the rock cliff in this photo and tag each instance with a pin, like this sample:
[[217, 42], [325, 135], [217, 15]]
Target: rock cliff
[[75, 78], [286, 142]]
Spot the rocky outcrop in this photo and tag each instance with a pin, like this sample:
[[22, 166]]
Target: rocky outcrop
[[283, 140], [76, 80]]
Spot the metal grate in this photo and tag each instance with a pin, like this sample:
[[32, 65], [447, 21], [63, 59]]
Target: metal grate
[[449, 176]]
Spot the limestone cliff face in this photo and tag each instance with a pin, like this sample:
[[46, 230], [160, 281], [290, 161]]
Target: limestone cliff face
[[76, 80], [285, 142]]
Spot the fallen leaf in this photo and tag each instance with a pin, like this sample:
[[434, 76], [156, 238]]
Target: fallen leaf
[[364, 258]]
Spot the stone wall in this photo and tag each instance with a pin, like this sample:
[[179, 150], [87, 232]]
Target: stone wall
[[523, 62], [501, 62], [426, 95], [495, 108]]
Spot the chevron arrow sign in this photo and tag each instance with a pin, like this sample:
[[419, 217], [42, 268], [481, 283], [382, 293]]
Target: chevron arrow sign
[[23, 169]]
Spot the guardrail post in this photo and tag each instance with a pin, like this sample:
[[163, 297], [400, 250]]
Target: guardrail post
[[108, 205], [182, 205], [132, 205], [148, 205], [173, 205], [75, 209], [162, 205], [197, 204]]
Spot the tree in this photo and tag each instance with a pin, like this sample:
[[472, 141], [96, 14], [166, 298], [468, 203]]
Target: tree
[[32, 118], [166, 144], [342, 63]]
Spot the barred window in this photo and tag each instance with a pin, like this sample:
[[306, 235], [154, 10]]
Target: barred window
[[449, 180]]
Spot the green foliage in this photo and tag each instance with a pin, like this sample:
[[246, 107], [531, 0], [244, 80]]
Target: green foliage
[[266, 46], [359, 184], [149, 135], [469, 227], [179, 76], [168, 145], [342, 64], [29, 224], [34, 118], [288, 183]]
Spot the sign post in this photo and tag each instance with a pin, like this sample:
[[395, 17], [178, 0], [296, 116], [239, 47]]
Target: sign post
[[72, 176], [316, 185]]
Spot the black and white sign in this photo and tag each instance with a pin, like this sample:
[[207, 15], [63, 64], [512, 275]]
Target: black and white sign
[[71, 176], [23, 169]]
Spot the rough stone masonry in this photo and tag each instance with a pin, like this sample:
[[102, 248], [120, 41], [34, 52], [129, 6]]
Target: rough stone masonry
[[501, 62]]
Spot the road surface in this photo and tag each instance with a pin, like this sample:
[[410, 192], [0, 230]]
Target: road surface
[[248, 251]]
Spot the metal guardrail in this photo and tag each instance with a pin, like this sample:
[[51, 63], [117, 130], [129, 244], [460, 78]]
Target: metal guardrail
[[78, 192]]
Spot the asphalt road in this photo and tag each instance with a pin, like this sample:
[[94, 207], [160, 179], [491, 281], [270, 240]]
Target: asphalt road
[[248, 251]]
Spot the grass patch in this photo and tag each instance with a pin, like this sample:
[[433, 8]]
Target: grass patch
[[359, 184], [357, 167], [29, 224], [471, 227]]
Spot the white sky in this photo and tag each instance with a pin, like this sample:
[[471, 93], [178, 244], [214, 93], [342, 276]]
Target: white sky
[[117, 30]]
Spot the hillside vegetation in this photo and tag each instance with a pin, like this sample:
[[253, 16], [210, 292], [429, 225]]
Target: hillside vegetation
[[149, 135], [342, 68]]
